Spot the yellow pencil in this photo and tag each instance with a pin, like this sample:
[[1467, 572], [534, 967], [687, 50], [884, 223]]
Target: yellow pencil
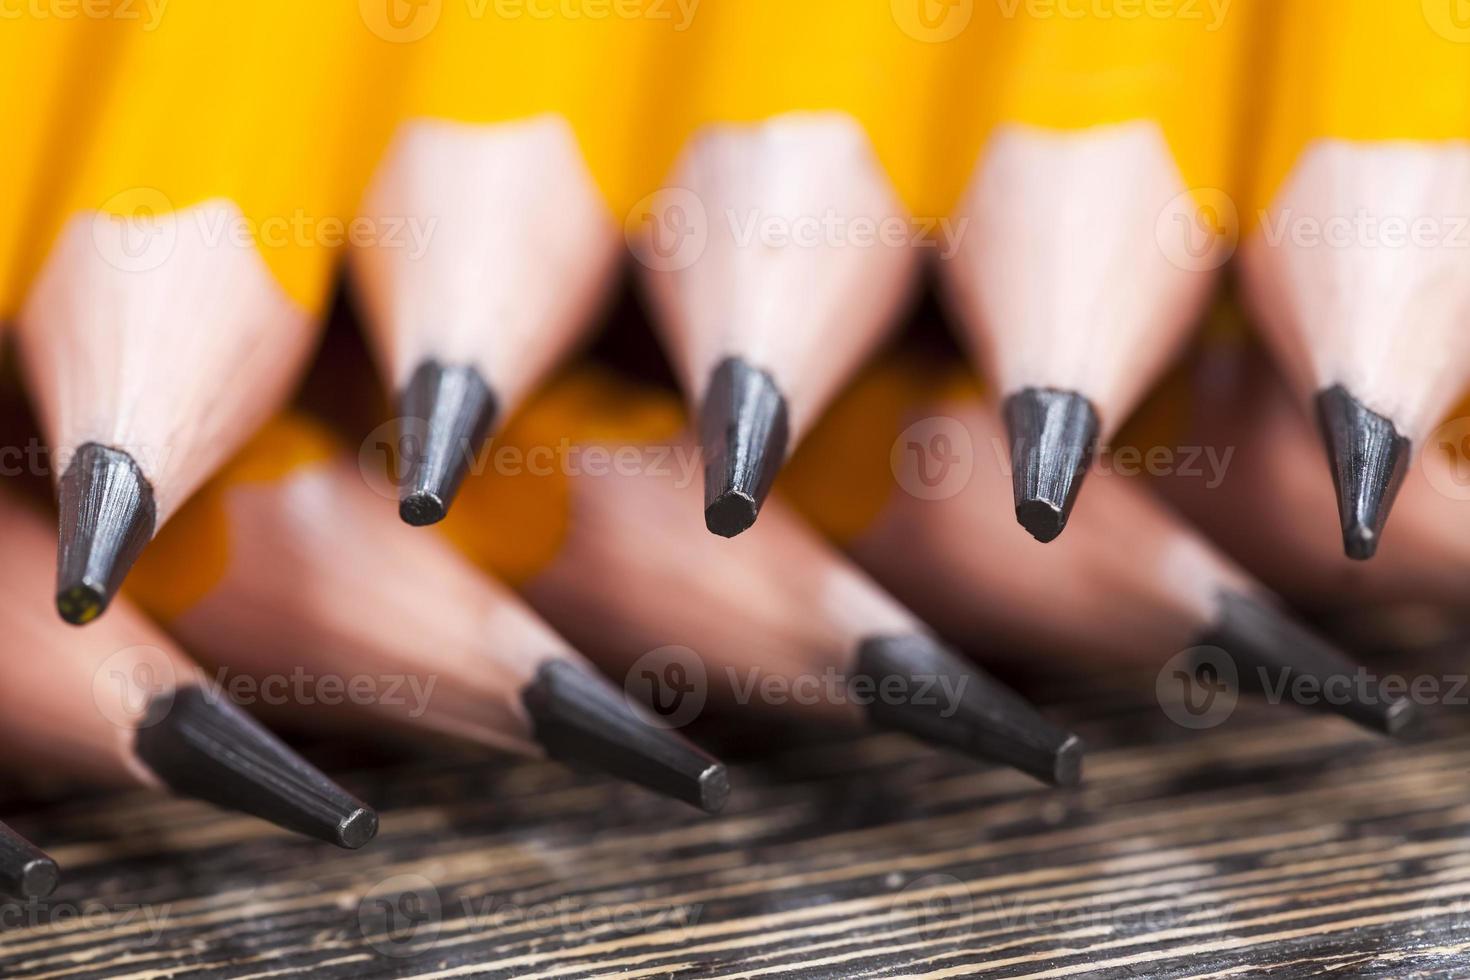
[[783, 243], [184, 260], [1358, 264], [1096, 219], [519, 138]]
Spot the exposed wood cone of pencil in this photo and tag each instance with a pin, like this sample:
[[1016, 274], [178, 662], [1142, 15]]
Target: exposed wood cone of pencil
[[182, 263], [120, 705], [923, 465], [596, 535], [288, 561], [1358, 270], [511, 190], [1099, 212], [781, 248]]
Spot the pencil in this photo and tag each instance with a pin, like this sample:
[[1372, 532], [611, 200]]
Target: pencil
[[592, 527], [182, 264], [1096, 218], [515, 177], [918, 451], [120, 705], [288, 563], [1265, 506], [1358, 270], [783, 245]]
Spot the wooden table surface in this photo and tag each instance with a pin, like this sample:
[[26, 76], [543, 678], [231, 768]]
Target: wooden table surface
[[1280, 842]]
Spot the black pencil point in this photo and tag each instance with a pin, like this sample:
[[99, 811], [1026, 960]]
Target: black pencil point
[[200, 744], [24, 871], [107, 518], [933, 694], [447, 414], [1368, 459], [581, 719], [744, 431], [1053, 434], [1271, 651]]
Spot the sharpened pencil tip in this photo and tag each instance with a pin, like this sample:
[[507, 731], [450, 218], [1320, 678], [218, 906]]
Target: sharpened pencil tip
[[107, 517], [421, 508], [447, 412], [357, 828], [714, 788], [1053, 435], [582, 720], [926, 690], [744, 431], [201, 745], [39, 878], [1042, 519], [1369, 458], [1271, 650], [730, 513], [1359, 542], [25, 871]]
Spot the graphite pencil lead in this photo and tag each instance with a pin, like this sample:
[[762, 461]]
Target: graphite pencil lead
[[1272, 651], [201, 745], [582, 720], [920, 687], [744, 431], [1052, 434], [1369, 458], [24, 870], [107, 518], [447, 412]]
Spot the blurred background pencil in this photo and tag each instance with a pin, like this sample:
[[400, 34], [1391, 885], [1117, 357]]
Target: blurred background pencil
[[186, 258], [120, 705], [1096, 216], [1132, 585], [288, 561], [1359, 270], [595, 533]]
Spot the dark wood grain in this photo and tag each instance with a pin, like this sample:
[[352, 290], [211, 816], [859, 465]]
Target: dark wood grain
[[1281, 843]]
